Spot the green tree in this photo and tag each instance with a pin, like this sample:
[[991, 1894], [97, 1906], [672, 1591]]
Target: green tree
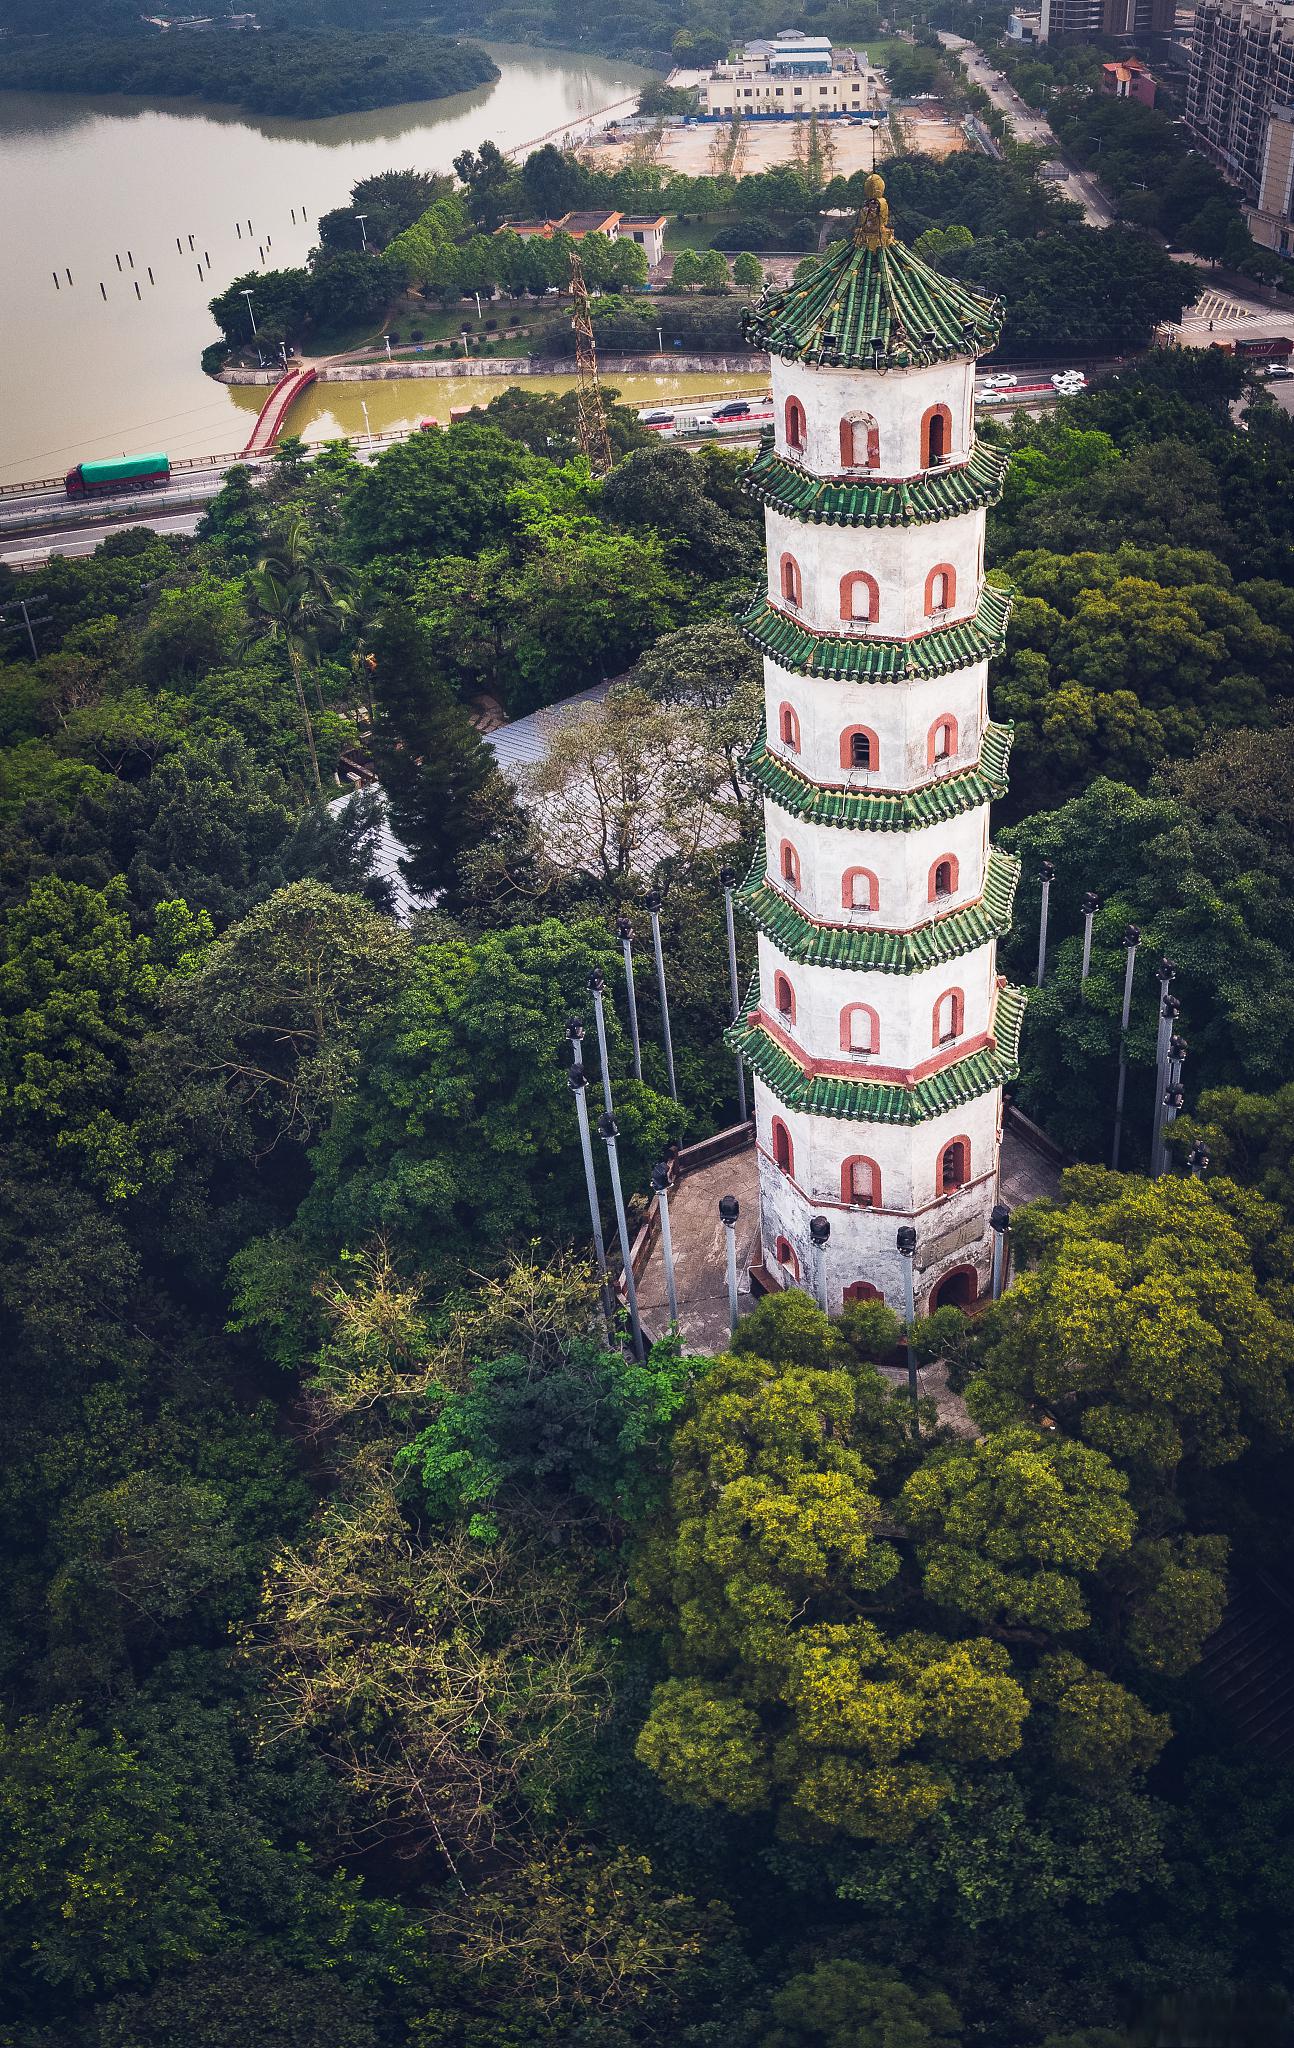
[[748, 272], [1141, 1325], [274, 1017], [845, 2004], [437, 494], [1008, 1528]]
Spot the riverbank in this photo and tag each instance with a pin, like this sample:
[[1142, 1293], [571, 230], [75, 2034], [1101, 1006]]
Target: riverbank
[[752, 362], [306, 76], [90, 374]]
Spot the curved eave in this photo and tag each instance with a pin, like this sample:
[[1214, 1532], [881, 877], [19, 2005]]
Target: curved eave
[[863, 658], [881, 1102], [798, 938], [858, 809], [842, 501], [874, 308]]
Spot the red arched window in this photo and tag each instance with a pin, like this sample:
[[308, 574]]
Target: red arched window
[[860, 442], [943, 877], [949, 1017], [788, 725], [796, 425], [859, 748], [790, 865], [790, 580], [783, 1149], [784, 998], [859, 890], [941, 589], [936, 436], [784, 1253], [860, 597], [954, 1166], [860, 1028], [860, 1183], [862, 1290], [941, 742]]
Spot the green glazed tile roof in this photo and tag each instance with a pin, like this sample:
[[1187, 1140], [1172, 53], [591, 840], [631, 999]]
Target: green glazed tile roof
[[861, 501], [865, 658], [884, 1102], [829, 945], [873, 304], [880, 812]]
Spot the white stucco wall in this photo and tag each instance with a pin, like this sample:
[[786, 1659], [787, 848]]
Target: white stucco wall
[[904, 1006], [896, 399], [900, 714], [900, 559], [952, 1230], [901, 862]]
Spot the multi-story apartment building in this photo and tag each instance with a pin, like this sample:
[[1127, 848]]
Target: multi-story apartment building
[[1240, 105], [1136, 18]]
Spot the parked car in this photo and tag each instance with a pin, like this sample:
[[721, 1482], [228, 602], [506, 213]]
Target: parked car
[[735, 409]]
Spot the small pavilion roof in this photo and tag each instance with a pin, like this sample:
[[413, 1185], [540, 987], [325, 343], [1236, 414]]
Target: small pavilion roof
[[874, 305]]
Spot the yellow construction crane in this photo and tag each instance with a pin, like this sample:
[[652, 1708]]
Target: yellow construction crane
[[591, 419]]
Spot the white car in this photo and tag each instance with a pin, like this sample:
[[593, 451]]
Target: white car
[[991, 398], [1001, 380]]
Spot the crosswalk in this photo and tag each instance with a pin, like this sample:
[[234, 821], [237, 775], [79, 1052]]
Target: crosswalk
[[1216, 306]]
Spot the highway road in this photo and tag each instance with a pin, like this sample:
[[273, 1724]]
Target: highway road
[[36, 524], [1029, 126]]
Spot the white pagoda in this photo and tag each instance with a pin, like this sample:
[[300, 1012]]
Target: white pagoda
[[878, 1029]]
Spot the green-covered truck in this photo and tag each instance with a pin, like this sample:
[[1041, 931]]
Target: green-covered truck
[[124, 473]]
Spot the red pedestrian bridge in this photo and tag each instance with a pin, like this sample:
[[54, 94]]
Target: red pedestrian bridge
[[272, 417]]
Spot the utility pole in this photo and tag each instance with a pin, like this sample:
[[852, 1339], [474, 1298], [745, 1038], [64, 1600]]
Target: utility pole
[[1169, 1009], [576, 1081], [591, 420]]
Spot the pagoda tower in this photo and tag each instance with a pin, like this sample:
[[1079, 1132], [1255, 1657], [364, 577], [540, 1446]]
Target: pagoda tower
[[877, 1027]]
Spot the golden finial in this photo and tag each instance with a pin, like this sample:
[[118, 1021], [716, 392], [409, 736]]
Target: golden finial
[[874, 230]]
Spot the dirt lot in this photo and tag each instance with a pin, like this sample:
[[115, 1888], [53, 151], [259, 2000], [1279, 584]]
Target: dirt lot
[[694, 151]]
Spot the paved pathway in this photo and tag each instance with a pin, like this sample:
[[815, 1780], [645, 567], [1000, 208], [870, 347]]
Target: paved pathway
[[1027, 125], [700, 1258]]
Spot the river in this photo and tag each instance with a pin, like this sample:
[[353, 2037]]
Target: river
[[91, 181]]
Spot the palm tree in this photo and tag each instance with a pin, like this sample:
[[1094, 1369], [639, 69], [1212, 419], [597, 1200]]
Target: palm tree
[[295, 595]]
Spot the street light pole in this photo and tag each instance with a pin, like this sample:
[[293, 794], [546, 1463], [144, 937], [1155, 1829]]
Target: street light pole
[[1048, 877], [906, 1242], [625, 933], [576, 1081], [251, 316], [363, 231], [1000, 1223], [1169, 1008], [597, 984], [660, 1183], [1131, 940], [820, 1232], [653, 907], [608, 1131], [728, 877], [1091, 904], [729, 1211]]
